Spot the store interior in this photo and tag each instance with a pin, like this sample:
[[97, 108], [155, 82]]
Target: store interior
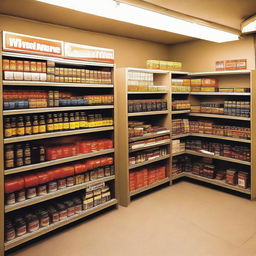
[[127, 135]]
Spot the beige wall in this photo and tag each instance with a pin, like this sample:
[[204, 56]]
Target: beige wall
[[128, 52], [201, 55]]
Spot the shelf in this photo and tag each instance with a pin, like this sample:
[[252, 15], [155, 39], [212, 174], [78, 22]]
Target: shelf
[[57, 59], [54, 84], [150, 135], [177, 176], [53, 109], [218, 183], [176, 112], [153, 185], [178, 93], [223, 158], [222, 93], [165, 142], [56, 134], [57, 161], [219, 73], [178, 153], [219, 137], [148, 162], [58, 193], [164, 92], [148, 113], [51, 227], [221, 116], [178, 136], [179, 73], [148, 70]]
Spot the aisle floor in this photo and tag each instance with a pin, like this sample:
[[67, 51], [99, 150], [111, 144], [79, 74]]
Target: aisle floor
[[183, 220]]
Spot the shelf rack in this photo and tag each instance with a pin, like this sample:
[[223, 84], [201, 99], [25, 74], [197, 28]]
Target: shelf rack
[[161, 77], [237, 78], [5, 210]]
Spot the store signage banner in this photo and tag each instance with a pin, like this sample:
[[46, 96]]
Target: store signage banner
[[88, 53], [30, 44]]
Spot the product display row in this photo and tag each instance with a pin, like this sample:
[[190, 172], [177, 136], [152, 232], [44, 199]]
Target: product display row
[[30, 153], [27, 70], [140, 178], [53, 212], [180, 104], [22, 99], [37, 124], [146, 105], [40, 183]]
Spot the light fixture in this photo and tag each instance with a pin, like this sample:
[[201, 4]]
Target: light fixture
[[249, 25], [131, 14]]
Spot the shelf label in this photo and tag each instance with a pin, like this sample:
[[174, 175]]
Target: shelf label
[[89, 53], [31, 44]]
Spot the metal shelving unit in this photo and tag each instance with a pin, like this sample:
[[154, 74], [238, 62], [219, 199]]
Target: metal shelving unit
[[7, 209]]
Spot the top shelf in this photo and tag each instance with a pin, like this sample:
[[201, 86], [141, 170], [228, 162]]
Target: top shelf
[[54, 84], [58, 60], [220, 73]]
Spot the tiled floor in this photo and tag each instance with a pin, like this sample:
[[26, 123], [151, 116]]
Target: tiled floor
[[183, 220]]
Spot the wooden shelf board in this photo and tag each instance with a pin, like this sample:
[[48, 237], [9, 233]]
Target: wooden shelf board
[[53, 109], [219, 73], [41, 231], [178, 153], [148, 113], [57, 161], [147, 70], [57, 59], [222, 93], [221, 116], [176, 112], [164, 92], [150, 146], [54, 84], [149, 135], [223, 158], [58, 193], [149, 162], [218, 183], [177, 176], [57, 134], [178, 136], [178, 93], [153, 185]]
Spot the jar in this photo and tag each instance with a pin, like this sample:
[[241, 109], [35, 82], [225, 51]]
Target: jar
[[52, 184], [11, 186], [20, 226], [31, 182], [42, 183], [243, 179], [21, 195], [9, 231], [78, 204], [62, 209], [70, 207], [43, 216], [9, 156], [32, 222], [53, 213]]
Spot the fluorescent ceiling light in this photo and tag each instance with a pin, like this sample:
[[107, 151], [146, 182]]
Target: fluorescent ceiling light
[[139, 16], [249, 25]]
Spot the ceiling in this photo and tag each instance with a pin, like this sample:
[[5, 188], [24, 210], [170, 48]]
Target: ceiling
[[226, 12], [217, 11]]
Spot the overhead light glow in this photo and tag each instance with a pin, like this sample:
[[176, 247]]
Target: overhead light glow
[[139, 16], [249, 25]]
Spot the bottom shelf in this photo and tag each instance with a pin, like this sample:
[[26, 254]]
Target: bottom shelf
[[214, 182], [153, 185], [177, 176], [41, 231]]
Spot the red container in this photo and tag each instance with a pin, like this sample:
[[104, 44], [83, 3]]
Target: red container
[[31, 180], [67, 171], [65, 151], [51, 154], [13, 185], [43, 177], [79, 168], [59, 152]]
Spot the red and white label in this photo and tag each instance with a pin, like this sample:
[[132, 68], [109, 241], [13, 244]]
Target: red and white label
[[31, 44], [89, 53]]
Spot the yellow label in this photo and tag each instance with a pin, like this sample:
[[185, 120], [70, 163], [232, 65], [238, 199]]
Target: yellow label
[[49, 127], [72, 125], [21, 131], [28, 130], [8, 132], [35, 129], [60, 126], [82, 124], [56, 127], [87, 124], [77, 125], [14, 132], [66, 126], [42, 128]]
